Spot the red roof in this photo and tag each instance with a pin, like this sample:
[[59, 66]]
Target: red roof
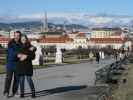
[[61, 39], [3, 39], [107, 40], [81, 35]]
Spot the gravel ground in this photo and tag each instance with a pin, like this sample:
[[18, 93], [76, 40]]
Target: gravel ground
[[62, 76], [124, 91]]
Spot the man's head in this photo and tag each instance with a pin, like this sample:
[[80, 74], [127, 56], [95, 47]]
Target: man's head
[[17, 36]]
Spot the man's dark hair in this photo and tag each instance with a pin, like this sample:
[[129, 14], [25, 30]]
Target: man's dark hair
[[18, 32], [12, 40]]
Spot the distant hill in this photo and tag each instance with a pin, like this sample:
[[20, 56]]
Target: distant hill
[[36, 24], [18, 25], [4, 26]]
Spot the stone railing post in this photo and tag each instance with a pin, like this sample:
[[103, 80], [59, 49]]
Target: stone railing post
[[58, 58]]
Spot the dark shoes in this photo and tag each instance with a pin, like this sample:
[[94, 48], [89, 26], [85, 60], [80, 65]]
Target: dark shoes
[[6, 95], [21, 95], [33, 95]]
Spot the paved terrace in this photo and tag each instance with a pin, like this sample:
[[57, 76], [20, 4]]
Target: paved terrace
[[68, 76]]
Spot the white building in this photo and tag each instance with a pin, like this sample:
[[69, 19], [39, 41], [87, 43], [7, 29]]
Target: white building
[[115, 43], [80, 41], [4, 41], [34, 36], [62, 41], [104, 32]]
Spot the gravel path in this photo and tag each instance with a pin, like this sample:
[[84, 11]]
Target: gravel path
[[125, 90]]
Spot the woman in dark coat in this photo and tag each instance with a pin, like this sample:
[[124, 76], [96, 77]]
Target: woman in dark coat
[[24, 68]]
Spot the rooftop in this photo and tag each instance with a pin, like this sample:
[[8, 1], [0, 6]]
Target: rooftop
[[106, 29], [51, 33], [81, 35], [3, 39], [61, 39], [107, 40]]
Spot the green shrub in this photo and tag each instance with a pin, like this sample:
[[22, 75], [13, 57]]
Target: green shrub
[[1, 46]]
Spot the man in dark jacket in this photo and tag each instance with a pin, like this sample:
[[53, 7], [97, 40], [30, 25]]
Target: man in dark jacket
[[97, 57], [13, 48]]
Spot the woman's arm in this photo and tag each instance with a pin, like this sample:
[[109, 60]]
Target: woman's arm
[[31, 53]]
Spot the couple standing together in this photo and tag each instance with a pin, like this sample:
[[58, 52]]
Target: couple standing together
[[20, 54]]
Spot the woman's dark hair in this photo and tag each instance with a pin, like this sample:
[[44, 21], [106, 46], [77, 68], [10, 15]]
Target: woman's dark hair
[[27, 44]]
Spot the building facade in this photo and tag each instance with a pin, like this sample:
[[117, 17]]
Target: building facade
[[104, 32], [4, 41], [80, 40]]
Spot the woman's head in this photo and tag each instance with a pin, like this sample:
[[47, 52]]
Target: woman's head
[[24, 39]]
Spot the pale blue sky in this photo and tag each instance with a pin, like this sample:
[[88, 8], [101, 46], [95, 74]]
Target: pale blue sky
[[18, 7]]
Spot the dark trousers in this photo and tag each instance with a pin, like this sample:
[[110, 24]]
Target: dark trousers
[[22, 85], [11, 75], [98, 59]]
